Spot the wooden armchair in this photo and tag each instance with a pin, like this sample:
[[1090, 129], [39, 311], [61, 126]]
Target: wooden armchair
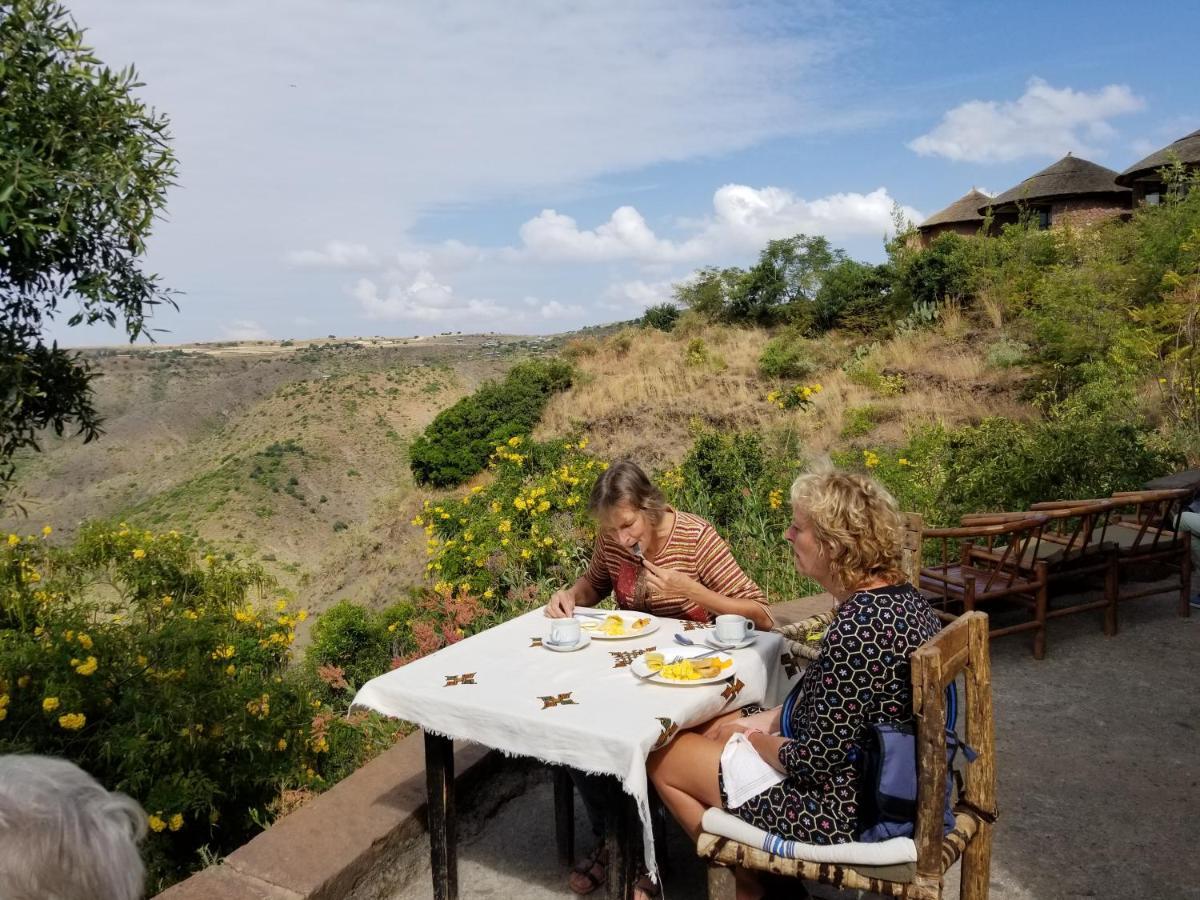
[[960, 648], [803, 637], [1145, 527], [981, 564], [1073, 544]]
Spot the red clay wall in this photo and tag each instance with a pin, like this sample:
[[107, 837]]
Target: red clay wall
[[1084, 211]]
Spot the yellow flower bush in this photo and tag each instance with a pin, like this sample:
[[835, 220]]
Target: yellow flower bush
[[798, 396], [139, 685], [528, 524]]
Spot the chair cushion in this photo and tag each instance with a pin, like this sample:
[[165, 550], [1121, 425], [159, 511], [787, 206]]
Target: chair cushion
[[894, 851]]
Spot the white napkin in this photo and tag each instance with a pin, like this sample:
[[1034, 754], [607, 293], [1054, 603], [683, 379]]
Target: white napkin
[[744, 772]]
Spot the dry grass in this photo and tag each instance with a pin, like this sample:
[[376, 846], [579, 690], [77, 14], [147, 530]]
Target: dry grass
[[640, 402]]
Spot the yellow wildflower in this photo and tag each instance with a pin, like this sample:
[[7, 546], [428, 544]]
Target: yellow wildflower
[[176, 822], [84, 641], [72, 721], [543, 506], [139, 553], [775, 498], [519, 503], [488, 594], [23, 681], [302, 615], [231, 670], [47, 531], [157, 824], [87, 667], [50, 704], [167, 601], [525, 554], [514, 441], [902, 461], [281, 744], [13, 540]]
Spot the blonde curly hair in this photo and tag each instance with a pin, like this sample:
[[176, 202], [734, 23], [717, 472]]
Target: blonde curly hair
[[856, 523]]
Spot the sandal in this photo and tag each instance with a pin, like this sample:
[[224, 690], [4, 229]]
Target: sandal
[[590, 874]]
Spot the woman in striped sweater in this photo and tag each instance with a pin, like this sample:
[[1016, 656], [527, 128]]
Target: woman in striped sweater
[[658, 560]]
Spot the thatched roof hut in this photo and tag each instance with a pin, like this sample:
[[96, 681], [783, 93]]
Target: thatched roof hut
[[1143, 176], [961, 217], [1072, 189]]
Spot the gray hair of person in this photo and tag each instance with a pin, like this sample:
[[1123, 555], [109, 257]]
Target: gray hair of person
[[625, 484], [63, 836]]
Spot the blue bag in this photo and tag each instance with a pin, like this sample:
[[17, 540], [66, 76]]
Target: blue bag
[[887, 764]]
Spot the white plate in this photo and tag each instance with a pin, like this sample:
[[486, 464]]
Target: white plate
[[642, 671], [583, 641], [591, 625], [716, 643]]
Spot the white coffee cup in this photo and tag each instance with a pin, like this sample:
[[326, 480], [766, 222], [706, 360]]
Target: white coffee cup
[[565, 632], [733, 629]]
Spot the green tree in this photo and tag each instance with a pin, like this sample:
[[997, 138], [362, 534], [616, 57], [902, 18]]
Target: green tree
[[856, 296], [708, 291], [788, 275], [84, 170]]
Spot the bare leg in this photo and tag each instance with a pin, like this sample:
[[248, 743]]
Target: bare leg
[[685, 775]]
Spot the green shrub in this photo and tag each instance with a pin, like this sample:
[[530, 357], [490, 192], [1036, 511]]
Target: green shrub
[[697, 352], [857, 297], [457, 443], [786, 356], [860, 421], [154, 669], [1006, 353], [528, 525], [944, 270], [663, 317]]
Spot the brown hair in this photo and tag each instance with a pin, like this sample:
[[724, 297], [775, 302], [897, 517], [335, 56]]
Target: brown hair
[[856, 523], [624, 483]]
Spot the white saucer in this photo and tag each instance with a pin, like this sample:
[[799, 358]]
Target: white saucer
[[584, 640], [713, 641]]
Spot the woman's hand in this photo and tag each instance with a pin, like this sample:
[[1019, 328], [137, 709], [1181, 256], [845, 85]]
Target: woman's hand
[[561, 605], [669, 582]]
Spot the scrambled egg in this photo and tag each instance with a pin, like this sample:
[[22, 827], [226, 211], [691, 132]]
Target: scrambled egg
[[614, 626], [686, 669]]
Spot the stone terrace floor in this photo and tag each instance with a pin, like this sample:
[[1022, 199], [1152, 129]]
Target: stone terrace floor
[[1099, 778]]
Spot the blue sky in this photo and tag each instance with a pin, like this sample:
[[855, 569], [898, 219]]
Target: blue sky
[[386, 167]]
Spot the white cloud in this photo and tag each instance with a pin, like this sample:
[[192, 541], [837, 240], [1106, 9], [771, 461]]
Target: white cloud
[[334, 255], [637, 294], [422, 298], [743, 218], [244, 330], [1044, 121], [556, 310]]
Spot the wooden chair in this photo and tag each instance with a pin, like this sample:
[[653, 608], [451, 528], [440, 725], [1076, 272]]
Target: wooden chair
[[982, 564], [1145, 528], [960, 648], [1073, 545], [803, 637]]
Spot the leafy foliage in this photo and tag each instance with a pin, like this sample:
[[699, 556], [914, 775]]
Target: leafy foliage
[[155, 669], [662, 316], [84, 170], [458, 442], [786, 356]]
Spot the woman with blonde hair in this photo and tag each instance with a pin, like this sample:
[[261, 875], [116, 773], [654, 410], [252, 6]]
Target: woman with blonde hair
[[845, 534]]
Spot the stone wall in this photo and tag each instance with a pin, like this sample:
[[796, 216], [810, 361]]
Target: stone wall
[[1083, 211]]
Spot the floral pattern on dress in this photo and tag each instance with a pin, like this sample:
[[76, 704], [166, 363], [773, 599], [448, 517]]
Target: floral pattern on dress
[[862, 677]]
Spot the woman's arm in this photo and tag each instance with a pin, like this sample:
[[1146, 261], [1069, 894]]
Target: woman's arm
[[675, 583], [582, 593]]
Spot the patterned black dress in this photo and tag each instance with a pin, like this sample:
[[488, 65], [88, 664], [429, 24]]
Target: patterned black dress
[[863, 677]]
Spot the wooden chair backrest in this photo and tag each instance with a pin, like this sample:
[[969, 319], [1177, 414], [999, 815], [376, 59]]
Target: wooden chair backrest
[[1154, 514], [910, 548], [996, 550], [959, 648], [1073, 528]]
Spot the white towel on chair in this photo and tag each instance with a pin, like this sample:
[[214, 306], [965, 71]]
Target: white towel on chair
[[744, 772]]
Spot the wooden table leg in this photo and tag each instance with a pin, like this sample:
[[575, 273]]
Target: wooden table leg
[[619, 817], [564, 815], [439, 783]]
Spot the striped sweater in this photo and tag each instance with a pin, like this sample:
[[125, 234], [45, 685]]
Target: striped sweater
[[694, 548]]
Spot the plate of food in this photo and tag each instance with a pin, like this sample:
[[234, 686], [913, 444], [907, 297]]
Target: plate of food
[[616, 625], [683, 666]]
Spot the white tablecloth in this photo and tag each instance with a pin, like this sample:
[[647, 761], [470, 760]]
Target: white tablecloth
[[583, 709]]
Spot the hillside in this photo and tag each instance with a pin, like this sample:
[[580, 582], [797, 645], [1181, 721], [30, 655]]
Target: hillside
[[292, 455]]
